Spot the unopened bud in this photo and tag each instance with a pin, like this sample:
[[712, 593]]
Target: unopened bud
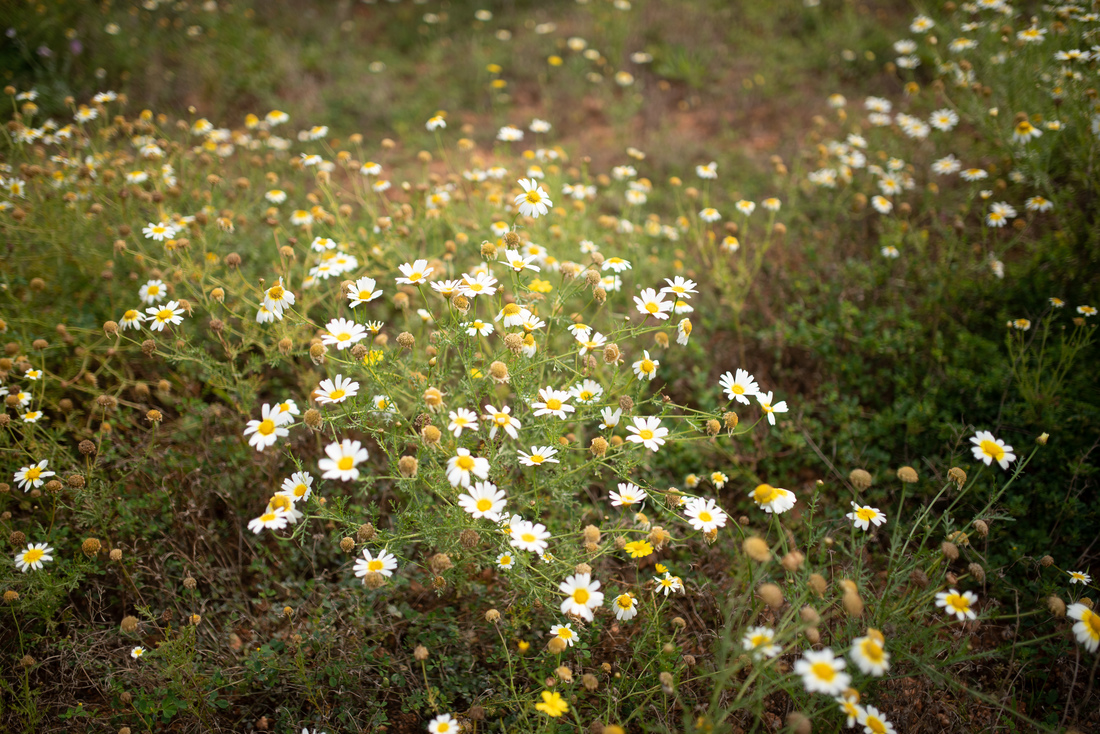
[[756, 549], [771, 595], [950, 550], [818, 584], [860, 478]]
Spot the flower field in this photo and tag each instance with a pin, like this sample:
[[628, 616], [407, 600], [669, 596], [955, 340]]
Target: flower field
[[595, 366]]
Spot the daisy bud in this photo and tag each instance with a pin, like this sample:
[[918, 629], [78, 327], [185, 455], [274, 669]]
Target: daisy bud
[[10, 596], [195, 619], [591, 534], [556, 646], [793, 561], [492, 616], [919, 577], [949, 550], [116, 554], [981, 528], [110, 328], [598, 447], [407, 466], [668, 648], [1046, 561], [347, 545], [469, 538], [779, 229], [611, 353], [564, 673], [430, 434], [439, 563], [713, 427], [662, 339], [907, 474], [957, 475], [757, 549], [420, 653], [1042, 439], [798, 723], [1086, 601], [1056, 606], [853, 604], [860, 478], [977, 572], [818, 584], [312, 418], [771, 595], [810, 616], [129, 624], [616, 440], [591, 683]]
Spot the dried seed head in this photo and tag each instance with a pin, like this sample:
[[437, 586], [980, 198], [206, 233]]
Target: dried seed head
[[374, 580], [591, 534], [407, 466], [189, 583], [950, 550], [600, 296], [86, 447], [430, 434], [798, 723], [499, 372], [1056, 606], [713, 427], [17, 538], [53, 486], [317, 353], [793, 561], [564, 673], [312, 418], [492, 616], [365, 532], [757, 549], [611, 353], [556, 646], [918, 577], [1046, 561], [469, 538], [981, 528], [110, 328], [420, 653], [359, 351], [599, 446], [129, 624], [591, 683], [658, 536], [809, 615], [853, 604], [347, 545], [154, 416], [771, 595], [666, 681], [116, 554], [977, 572], [626, 403], [406, 340], [818, 584], [10, 596], [26, 661], [957, 475], [907, 474], [514, 342], [91, 546], [860, 478], [439, 563], [731, 420], [488, 250], [286, 345]]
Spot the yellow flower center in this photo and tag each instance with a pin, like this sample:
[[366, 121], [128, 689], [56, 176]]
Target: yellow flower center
[[866, 513], [279, 501], [153, 290], [527, 538], [705, 516], [553, 404], [374, 565], [501, 419], [164, 314], [958, 602], [484, 505], [537, 458], [336, 394], [300, 490], [624, 602], [267, 517], [652, 307], [647, 366], [765, 493], [875, 724], [758, 640], [130, 315], [1092, 624], [266, 427], [33, 555], [275, 292], [465, 463], [416, 276], [33, 473], [443, 727], [565, 634], [580, 596], [992, 449], [345, 463], [872, 651], [823, 671], [506, 560], [533, 197], [737, 390], [645, 434]]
